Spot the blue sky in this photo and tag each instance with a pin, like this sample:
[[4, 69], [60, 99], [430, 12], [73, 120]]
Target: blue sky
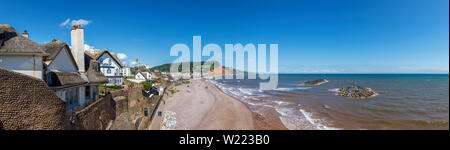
[[314, 36]]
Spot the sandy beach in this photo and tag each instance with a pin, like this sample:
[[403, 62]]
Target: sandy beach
[[200, 105]]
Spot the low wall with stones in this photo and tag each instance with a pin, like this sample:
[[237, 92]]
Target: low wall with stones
[[97, 115], [121, 104]]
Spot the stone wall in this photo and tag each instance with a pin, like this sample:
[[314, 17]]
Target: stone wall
[[121, 104], [27, 103], [121, 92], [96, 116]]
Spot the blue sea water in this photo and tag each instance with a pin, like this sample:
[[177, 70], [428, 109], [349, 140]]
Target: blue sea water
[[403, 101]]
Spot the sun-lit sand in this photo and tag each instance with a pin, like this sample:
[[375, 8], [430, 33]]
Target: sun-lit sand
[[201, 105]]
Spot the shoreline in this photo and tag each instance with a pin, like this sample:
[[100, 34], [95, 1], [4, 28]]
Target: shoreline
[[201, 105], [271, 121]]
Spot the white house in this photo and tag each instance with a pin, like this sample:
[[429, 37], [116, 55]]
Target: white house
[[88, 67], [62, 74], [77, 87], [126, 71], [20, 54], [110, 66], [74, 76], [143, 76]]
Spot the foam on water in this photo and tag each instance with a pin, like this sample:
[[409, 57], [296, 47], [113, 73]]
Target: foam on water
[[291, 89], [289, 115]]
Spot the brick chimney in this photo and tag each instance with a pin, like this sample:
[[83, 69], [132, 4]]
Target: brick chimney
[[25, 33], [77, 46]]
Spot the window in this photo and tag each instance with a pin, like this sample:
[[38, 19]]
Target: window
[[95, 92], [145, 112], [75, 95], [108, 71], [88, 92], [95, 66], [69, 96]]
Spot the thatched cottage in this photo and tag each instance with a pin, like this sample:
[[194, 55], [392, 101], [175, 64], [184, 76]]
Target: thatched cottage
[[20, 54], [77, 88], [74, 76], [110, 66]]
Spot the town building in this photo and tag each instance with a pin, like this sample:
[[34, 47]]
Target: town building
[[20, 54], [110, 66], [72, 75], [90, 68], [143, 76], [126, 71]]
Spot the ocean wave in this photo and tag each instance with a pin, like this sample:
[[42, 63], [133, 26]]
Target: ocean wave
[[247, 91], [293, 120], [291, 89], [281, 103], [334, 90], [289, 116], [315, 122]]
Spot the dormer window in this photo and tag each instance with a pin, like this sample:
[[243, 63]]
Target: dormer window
[[95, 67], [108, 71]]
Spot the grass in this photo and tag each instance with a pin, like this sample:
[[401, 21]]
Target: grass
[[187, 82], [111, 87], [172, 91], [128, 77]]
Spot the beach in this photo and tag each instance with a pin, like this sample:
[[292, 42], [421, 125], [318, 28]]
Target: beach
[[200, 105]]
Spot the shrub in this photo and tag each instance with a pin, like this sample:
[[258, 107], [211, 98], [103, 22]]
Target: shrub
[[111, 87], [172, 91], [147, 85]]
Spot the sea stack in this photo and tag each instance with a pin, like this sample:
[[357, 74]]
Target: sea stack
[[355, 92], [314, 82]]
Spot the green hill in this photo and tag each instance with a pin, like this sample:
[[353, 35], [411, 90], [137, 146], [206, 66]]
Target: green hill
[[166, 67]]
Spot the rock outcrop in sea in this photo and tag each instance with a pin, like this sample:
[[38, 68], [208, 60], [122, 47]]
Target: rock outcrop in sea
[[355, 92], [314, 82]]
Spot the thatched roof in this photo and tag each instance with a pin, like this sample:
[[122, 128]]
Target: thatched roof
[[27, 103], [144, 74], [93, 75], [97, 54], [54, 48], [141, 69], [66, 78], [96, 77], [12, 42]]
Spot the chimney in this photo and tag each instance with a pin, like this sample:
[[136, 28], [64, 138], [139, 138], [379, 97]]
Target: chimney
[[77, 46], [25, 33]]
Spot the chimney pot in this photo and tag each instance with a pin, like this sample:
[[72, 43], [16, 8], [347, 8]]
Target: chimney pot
[[25, 33], [79, 26]]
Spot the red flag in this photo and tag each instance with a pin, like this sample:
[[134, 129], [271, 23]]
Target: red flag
[[137, 60]]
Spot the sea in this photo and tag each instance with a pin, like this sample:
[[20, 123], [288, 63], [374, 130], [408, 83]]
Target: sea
[[402, 101]]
